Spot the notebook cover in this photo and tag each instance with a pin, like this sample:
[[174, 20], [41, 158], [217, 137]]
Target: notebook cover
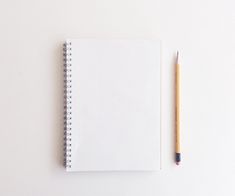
[[112, 101]]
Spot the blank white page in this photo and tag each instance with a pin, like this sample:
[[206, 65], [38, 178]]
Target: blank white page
[[115, 105]]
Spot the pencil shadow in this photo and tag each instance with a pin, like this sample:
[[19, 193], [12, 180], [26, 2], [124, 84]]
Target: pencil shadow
[[174, 61]]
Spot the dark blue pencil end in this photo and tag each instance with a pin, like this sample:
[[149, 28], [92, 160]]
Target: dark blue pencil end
[[177, 158]]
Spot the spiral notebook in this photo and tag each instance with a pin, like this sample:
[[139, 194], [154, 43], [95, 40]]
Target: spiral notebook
[[112, 105]]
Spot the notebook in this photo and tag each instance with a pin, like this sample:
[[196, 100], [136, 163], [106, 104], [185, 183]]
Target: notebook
[[112, 105]]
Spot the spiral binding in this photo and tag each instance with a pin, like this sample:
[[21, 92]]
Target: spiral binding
[[67, 53]]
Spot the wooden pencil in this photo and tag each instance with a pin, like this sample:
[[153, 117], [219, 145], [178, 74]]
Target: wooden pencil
[[177, 111]]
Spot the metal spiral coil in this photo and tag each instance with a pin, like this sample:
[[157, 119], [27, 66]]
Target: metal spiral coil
[[67, 53]]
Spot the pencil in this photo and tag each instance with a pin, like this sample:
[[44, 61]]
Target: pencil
[[177, 111]]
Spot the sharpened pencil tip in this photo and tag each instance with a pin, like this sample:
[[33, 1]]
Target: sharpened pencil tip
[[177, 56]]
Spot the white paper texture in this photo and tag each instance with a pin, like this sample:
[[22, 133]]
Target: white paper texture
[[115, 105]]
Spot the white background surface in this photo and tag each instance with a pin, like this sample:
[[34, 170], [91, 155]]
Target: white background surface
[[31, 94]]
